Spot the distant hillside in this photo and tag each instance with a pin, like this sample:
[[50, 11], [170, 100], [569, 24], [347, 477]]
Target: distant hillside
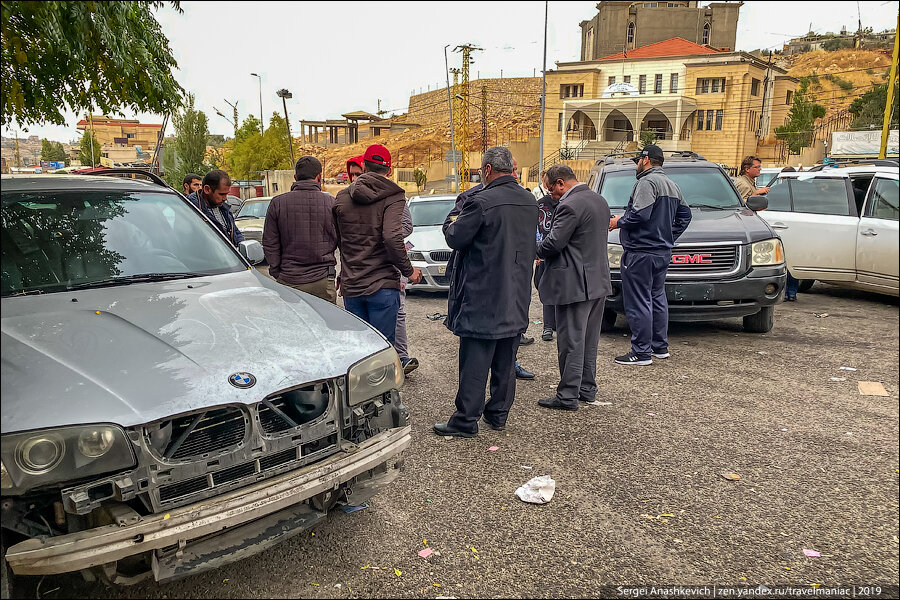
[[837, 78]]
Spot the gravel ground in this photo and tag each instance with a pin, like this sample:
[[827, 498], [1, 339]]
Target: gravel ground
[[640, 496]]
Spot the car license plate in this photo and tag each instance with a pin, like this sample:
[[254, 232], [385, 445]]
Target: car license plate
[[442, 269]]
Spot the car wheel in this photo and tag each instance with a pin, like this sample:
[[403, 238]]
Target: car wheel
[[761, 322], [805, 285], [608, 322]]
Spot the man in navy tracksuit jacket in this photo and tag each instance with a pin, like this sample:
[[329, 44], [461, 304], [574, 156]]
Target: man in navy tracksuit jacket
[[655, 217]]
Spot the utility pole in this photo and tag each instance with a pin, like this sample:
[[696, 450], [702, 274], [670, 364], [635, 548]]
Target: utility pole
[[543, 92], [484, 145], [452, 135], [466, 50], [284, 95], [886, 125], [261, 128], [18, 158]]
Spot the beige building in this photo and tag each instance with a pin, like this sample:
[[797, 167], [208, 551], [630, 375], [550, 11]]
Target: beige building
[[628, 25], [692, 97], [123, 140]]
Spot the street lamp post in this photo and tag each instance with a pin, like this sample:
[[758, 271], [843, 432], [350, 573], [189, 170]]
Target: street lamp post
[[284, 95], [262, 129]]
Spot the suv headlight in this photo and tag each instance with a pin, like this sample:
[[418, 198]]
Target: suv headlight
[[416, 255], [615, 252], [38, 458], [767, 252], [374, 376]]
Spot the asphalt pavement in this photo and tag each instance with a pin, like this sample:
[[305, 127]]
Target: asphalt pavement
[[640, 492]]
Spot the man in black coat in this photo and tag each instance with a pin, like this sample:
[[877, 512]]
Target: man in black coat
[[490, 292], [576, 281]]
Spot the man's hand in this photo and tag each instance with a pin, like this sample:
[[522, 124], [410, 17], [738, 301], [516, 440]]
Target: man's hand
[[761, 191], [337, 286], [613, 223], [416, 276]]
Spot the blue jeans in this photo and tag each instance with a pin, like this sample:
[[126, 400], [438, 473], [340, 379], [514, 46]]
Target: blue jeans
[[378, 310], [790, 289], [646, 306]]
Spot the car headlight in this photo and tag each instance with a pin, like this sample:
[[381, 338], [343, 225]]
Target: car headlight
[[416, 255], [37, 458], [767, 252], [615, 252], [374, 376]]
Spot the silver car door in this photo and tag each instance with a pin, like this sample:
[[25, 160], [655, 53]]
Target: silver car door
[[878, 242]]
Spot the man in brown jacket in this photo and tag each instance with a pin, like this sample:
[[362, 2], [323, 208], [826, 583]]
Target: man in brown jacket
[[299, 238], [368, 219]]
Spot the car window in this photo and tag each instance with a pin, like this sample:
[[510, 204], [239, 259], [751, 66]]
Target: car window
[[430, 212], [820, 195], [54, 240], [779, 197], [253, 210], [699, 186], [883, 203]]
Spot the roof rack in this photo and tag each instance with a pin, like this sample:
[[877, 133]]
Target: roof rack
[[875, 162], [125, 173]]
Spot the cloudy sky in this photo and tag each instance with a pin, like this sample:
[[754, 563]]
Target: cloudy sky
[[337, 57]]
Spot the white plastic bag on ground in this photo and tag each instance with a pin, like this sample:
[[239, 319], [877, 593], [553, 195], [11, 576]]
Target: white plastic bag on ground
[[538, 490]]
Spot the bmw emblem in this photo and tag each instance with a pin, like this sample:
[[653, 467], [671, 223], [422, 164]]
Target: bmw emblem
[[242, 380]]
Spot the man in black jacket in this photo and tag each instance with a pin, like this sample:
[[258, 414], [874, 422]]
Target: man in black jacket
[[210, 199], [576, 282], [490, 292]]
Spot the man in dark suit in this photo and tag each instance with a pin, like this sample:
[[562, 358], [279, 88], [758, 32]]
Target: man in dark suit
[[490, 292], [576, 281]]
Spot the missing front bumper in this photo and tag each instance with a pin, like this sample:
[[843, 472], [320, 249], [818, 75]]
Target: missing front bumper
[[103, 545]]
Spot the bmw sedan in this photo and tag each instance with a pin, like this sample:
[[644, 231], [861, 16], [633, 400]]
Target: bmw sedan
[[426, 246]]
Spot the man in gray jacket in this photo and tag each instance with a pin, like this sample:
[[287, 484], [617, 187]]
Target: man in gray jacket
[[576, 282], [490, 292]]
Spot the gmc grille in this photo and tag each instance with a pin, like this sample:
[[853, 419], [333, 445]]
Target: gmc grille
[[703, 259]]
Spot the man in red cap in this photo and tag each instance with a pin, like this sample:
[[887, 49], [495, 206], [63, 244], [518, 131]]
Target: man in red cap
[[368, 217], [354, 168]]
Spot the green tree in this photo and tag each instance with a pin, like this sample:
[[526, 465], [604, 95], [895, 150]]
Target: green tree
[[59, 153], [868, 109], [252, 153], [421, 177], [46, 149], [798, 132], [85, 154], [82, 56], [191, 134]]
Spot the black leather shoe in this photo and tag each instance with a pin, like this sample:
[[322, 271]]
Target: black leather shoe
[[522, 372], [558, 404], [492, 426], [526, 340], [547, 335], [444, 429]]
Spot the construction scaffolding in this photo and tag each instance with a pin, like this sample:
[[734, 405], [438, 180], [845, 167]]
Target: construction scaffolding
[[462, 124]]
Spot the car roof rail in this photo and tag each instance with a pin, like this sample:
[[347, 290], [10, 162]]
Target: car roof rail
[[687, 154], [874, 162], [126, 173]]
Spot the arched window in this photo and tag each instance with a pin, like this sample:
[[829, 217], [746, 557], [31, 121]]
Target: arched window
[[631, 33], [705, 33]]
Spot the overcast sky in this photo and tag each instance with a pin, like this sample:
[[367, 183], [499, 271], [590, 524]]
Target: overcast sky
[[337, 57]]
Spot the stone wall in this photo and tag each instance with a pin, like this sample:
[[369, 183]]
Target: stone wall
[[508, 98]]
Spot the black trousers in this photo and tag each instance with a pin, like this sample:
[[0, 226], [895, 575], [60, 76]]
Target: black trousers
[[548, 309], [476, 357], [578, 334]]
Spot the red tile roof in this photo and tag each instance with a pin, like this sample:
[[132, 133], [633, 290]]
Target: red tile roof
[[673, 47], [120, 123]]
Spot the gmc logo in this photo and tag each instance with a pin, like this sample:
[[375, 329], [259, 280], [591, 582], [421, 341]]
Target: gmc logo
[[692, 259]]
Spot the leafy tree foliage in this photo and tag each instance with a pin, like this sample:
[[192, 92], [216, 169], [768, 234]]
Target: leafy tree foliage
[[53, 151], [84, 56], [191, 135], [252, 152], [798, 132], [868, 109], [85, 154]]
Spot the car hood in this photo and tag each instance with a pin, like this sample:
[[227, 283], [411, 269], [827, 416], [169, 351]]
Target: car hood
[[726, 225], [134, 354], [243, 224], [428, 238]]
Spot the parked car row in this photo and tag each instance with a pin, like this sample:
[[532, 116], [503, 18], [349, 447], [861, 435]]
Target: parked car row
[[166, 408]]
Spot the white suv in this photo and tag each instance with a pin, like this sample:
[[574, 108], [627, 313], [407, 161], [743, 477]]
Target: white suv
[[839, 225]]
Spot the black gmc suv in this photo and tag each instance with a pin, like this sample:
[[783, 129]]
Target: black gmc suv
[[728, 263]]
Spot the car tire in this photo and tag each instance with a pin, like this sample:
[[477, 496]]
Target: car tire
[[806, 285], [761, 322], [608, 322]]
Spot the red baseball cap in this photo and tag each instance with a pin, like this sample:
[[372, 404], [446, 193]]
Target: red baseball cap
[[356, 160], [378, 154]]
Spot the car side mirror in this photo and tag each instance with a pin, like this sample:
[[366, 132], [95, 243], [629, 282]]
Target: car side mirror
[[757, 203], [252, 251]]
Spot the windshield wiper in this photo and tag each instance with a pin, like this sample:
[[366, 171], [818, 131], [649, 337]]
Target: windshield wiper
[[711, 206], [240, 217], [126, 279]]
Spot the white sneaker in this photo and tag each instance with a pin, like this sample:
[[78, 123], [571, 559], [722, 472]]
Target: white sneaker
[[664, 354]]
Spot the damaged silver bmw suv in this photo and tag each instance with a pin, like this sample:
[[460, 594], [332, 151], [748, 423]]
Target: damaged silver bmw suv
[[166, 408]]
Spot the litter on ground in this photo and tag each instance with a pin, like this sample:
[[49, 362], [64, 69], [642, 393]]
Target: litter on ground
[[872, 388], [537, 490]]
